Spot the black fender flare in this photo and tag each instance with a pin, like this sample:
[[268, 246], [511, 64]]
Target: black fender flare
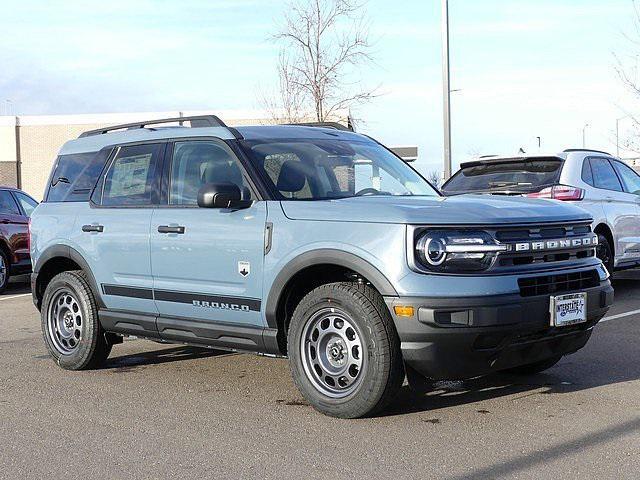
[[319, 257], [64, 251]]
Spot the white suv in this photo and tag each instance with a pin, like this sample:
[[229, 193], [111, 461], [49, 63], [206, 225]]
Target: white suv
[[596, 181]]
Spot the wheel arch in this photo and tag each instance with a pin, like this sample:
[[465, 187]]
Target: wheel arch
[[604, 229], [310, 270], [4, 246], [58, 259]]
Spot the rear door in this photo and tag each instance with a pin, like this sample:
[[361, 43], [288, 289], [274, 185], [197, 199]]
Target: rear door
[[620, 208], [113, 229], [207, 262]]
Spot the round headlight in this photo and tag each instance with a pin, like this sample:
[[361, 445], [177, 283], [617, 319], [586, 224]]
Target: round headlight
[[434, 250], [455, 251]]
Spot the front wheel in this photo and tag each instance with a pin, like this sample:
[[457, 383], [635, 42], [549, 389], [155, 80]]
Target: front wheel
[[344, 351], [70, 325]]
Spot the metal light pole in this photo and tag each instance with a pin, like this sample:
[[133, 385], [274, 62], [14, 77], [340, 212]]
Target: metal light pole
[[446, 86], [584, 135]]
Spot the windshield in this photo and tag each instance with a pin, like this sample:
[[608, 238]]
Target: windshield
[[520, 176], [312, 169]]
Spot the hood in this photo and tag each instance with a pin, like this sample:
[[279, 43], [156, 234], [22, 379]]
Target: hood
[[456, 210]]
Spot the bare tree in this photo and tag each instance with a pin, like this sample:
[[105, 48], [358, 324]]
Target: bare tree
[[323, 42], [628, 69], [435, 178]]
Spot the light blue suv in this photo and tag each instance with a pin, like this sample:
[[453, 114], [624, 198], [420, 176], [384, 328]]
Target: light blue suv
[[314, 243]]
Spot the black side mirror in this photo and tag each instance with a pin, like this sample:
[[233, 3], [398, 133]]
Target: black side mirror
[[222, 195]]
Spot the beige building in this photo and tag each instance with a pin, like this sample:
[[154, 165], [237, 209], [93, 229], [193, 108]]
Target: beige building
[[29, 144]]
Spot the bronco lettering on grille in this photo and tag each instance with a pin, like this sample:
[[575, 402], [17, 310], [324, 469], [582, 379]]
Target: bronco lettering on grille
[[555, 244]]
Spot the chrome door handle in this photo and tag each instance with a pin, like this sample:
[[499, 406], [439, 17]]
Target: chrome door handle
[[93, 228], [168, 229]]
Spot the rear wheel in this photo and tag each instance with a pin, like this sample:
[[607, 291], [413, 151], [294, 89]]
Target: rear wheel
[[70, 325], [533, 368], [4, 271], [604, 252], [344, 351]]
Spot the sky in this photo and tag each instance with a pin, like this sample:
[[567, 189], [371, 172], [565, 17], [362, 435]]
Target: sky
[[523, 68]]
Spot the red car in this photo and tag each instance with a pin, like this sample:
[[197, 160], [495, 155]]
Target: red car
[[15, 210]]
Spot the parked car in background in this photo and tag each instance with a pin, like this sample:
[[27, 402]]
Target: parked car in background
[[15, 209], [596, 181]]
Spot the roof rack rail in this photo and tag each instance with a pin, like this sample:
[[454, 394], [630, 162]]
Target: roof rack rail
[[569, 150], [197, 121], [333, 125]]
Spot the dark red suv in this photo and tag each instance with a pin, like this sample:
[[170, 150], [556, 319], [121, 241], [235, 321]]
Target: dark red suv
[[15, 210]]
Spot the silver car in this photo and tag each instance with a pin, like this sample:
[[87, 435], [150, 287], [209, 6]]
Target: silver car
[[596, 181]]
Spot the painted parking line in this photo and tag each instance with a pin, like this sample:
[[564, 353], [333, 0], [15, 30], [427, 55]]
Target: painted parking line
[[620, 315], [15, 296]]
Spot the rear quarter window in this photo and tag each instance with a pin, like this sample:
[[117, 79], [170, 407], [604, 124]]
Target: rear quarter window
[[74, 176]]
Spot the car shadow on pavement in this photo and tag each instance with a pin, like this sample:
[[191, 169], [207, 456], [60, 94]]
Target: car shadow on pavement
[[572, 374], [453, 393], [157, 357], [17, 286]]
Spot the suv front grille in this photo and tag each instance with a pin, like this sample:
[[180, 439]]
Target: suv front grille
[[560, 283], [515, 258]]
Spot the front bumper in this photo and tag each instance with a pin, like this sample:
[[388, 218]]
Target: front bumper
[[457, 338]]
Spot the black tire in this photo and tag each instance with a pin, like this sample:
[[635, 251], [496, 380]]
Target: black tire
[[382, 372], [605, 253], [533, 368], [86, 347], [5, 270]]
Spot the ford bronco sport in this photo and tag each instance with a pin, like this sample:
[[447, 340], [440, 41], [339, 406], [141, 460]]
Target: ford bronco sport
[[314, 243]]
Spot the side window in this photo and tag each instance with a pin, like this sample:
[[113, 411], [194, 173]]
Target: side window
[[131, 177], [197, 163], [75, 176], [629, 177], [587, 176], [8, 204], [604, 176], [27, 203]]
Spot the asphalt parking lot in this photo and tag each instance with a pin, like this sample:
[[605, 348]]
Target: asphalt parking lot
[[175, 412]]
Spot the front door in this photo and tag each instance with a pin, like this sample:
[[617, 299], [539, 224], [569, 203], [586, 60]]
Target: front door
[[631, 184], [207, 263], [620, 208]]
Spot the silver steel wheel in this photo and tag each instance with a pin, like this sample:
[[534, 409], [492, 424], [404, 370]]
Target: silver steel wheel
[[64, 321], [333, 353], [3, 271]]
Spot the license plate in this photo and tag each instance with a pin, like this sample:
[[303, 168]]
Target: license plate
[[568, 309]]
